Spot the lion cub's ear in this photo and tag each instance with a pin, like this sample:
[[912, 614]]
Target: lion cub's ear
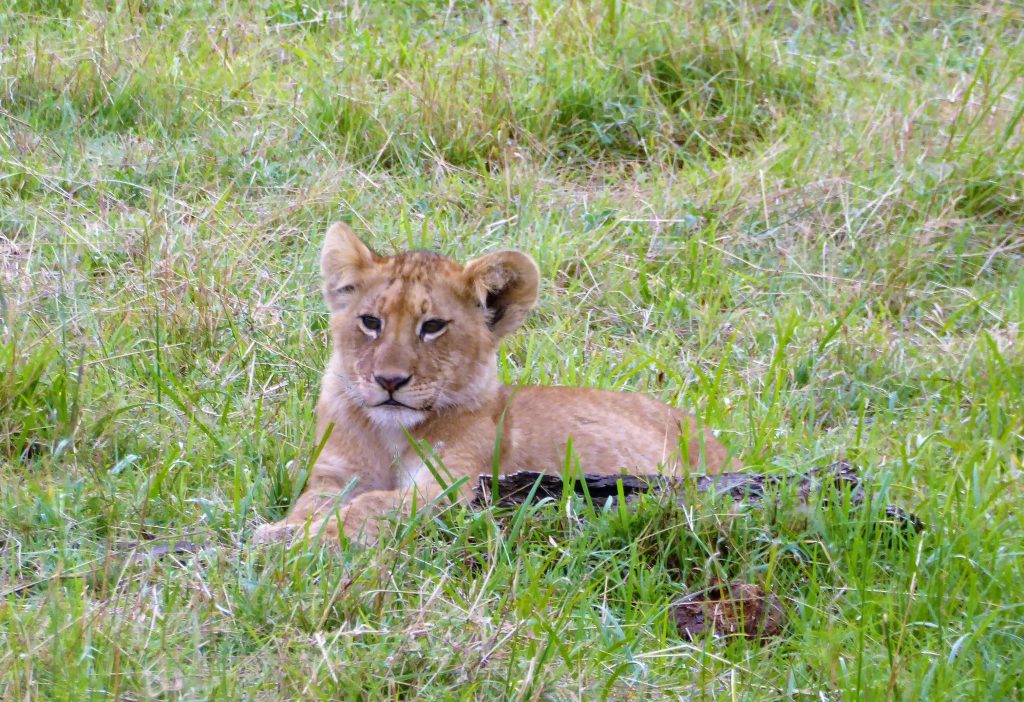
[[505, 283], [342, 262]]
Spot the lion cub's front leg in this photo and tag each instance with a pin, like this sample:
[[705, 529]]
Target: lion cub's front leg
[[360, 518]]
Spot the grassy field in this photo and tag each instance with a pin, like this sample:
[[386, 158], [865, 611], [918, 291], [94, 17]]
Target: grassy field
[[801, 218]]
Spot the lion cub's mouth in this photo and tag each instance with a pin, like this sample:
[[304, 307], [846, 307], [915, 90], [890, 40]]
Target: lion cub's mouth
[[392, 402]]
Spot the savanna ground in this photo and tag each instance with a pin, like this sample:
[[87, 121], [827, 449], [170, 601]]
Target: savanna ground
[[801, 218]]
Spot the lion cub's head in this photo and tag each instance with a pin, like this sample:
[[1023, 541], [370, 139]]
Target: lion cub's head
[[417, 333]]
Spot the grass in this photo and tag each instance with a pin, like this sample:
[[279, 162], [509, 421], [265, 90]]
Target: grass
[[802, 219]]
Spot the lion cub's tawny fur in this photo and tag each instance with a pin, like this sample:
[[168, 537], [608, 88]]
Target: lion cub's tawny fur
[[415, 340]]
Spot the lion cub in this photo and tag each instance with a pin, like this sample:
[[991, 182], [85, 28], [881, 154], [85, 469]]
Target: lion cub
[[415, 342]]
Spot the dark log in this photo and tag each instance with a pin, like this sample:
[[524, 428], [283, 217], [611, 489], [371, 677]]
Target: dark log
[[749, 488]]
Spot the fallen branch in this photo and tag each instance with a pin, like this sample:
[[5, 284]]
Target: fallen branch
[[749, 488]]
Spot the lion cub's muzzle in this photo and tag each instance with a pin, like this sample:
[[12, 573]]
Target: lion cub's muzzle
[[391, 384]]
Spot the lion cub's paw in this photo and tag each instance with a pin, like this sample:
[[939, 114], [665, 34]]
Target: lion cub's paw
[[273, 534], [324, 531]]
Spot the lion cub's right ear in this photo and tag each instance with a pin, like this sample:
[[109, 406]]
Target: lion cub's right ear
[[343, 261]]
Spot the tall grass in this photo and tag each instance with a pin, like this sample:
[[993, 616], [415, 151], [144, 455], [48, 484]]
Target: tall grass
[[800, 219]]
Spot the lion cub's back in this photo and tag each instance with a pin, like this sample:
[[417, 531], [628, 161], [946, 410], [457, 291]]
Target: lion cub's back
[[611, 432]]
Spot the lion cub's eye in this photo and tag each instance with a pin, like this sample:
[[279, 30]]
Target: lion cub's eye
[[432, 327], [370, 324]]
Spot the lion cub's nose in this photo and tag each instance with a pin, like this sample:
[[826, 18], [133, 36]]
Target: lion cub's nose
[[391, 383]]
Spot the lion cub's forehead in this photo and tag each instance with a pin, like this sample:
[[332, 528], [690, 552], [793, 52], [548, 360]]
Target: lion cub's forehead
[[416, 283]]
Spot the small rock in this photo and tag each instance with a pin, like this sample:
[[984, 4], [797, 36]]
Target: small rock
[[737, 609]]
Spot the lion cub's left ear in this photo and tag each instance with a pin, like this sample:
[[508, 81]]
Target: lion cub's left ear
[[505, 283]]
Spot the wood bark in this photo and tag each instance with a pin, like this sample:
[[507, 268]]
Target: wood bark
[[750, 488]]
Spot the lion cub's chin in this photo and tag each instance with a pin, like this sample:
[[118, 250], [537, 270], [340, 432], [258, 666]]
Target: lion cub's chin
[[390, 419]]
